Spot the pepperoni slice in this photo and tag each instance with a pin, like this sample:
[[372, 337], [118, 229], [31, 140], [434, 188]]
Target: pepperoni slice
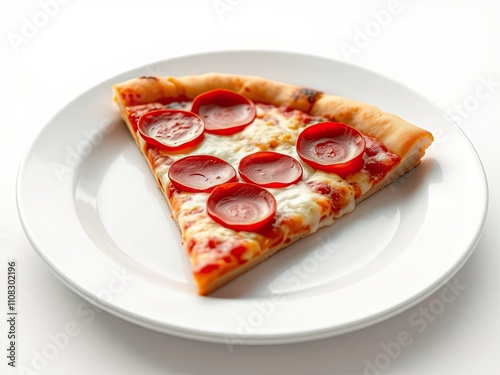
[[200, 173], [270, 169], [332, 147], [224, 112], [171, 129], [241, 206]]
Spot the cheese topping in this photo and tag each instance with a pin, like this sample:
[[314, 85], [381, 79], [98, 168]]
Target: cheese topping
[[315, 201]]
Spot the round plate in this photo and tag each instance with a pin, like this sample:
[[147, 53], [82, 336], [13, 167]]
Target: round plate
[[91, 209]]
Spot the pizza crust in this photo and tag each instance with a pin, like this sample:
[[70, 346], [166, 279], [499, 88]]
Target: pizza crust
[[150, 89]]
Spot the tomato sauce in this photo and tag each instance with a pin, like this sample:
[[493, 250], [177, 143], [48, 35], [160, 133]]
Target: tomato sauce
[[378, 161]]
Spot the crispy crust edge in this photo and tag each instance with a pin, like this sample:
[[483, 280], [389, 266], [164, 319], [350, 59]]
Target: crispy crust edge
[[150, 89]]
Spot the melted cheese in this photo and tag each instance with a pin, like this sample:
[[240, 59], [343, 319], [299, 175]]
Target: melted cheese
[[274, 131]]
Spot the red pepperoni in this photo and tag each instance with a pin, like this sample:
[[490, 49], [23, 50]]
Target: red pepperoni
[[332, 147], [171, 129], [270, 169], [241, 206], [200, 173], [224, 112]]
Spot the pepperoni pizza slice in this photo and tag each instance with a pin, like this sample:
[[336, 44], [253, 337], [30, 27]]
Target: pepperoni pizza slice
[[249, 165]]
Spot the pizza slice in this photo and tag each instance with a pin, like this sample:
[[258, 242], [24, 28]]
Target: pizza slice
[[249, 165]]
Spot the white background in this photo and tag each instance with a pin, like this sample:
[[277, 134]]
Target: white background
[[442, 49]]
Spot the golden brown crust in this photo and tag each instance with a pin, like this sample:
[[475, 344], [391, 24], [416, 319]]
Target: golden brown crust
[[150, 89]]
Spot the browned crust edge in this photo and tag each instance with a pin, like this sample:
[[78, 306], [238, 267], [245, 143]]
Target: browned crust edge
[[150, 89]]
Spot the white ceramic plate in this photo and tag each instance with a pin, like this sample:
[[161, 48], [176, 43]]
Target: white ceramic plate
[[92, 211]]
